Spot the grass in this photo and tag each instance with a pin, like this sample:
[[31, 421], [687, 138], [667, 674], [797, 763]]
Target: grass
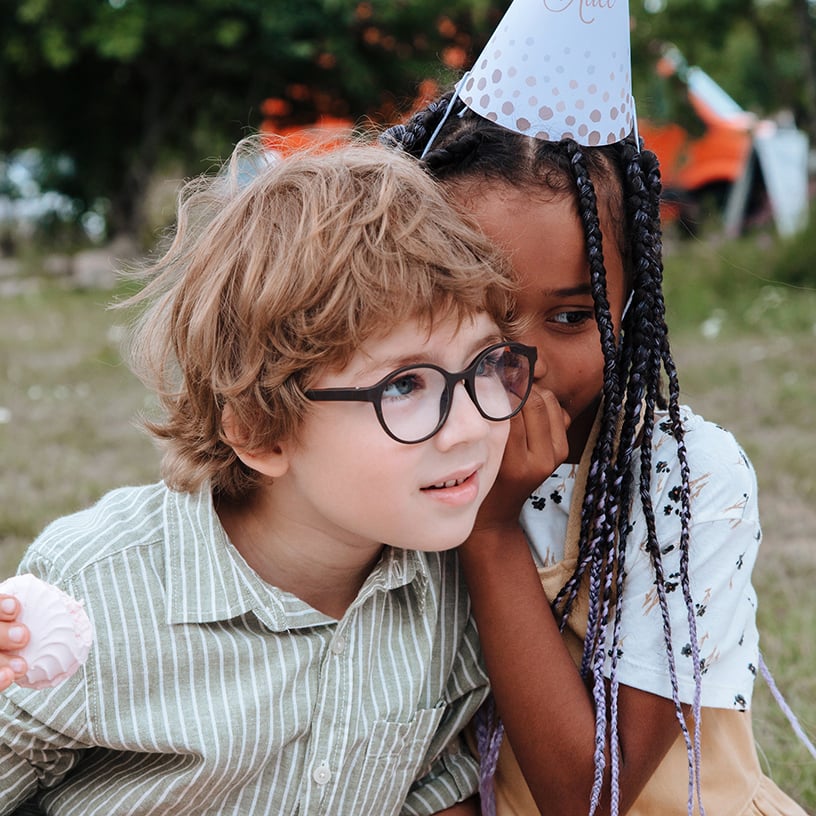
[[744, 345], [67, 406]]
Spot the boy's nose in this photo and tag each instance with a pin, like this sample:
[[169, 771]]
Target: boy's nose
[[464, 422]]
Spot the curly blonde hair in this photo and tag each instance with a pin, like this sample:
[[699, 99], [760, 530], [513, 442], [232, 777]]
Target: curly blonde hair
[[279, 269]]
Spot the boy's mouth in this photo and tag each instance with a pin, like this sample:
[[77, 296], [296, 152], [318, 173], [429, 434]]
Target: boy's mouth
[[449, 483], [453, 481]]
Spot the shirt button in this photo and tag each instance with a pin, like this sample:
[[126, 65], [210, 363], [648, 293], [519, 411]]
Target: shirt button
[[338, 645], [322, 773]]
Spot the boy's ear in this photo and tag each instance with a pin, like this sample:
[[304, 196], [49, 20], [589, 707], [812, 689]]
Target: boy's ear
[[272, 463]]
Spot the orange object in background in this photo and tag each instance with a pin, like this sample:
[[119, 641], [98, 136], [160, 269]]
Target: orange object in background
[[720, 153], [714, 155], [707, 146], [326, 133]]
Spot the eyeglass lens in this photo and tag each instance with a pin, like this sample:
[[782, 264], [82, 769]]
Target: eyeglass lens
[[415, 402]]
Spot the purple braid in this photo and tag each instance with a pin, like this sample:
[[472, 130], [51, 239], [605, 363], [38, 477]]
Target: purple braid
[[489, 735], [660, 585], [412, 136], [786, 709]]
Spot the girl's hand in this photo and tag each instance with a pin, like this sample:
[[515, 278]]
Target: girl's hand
[[536, 447], [13, 636]]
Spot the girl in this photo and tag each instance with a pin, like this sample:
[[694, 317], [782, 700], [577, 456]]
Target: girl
[[621, 643]]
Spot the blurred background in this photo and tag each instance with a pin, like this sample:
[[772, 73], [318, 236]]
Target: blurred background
[[107, 105]]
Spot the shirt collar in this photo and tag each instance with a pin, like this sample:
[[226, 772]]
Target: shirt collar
[[208, 580]]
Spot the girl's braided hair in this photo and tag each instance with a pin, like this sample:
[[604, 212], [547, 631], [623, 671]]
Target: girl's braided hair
[[639, 377]]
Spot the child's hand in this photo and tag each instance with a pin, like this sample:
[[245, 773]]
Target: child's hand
[[13, 636], [536, 447]]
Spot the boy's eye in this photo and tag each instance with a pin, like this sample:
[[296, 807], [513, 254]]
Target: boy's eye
[[405, 385]]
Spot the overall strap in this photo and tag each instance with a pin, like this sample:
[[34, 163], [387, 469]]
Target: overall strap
[[555, 576]]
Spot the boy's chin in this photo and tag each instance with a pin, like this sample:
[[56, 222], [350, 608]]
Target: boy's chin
[[440, 541]]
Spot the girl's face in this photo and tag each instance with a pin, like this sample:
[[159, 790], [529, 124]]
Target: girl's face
[[546, 242]]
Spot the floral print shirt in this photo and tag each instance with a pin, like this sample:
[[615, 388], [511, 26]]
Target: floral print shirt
[[725, 537]]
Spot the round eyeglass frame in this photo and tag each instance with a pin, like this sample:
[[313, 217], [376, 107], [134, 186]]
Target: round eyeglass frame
[[373, 393]]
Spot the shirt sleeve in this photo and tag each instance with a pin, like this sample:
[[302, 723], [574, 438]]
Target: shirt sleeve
[[32, 755], [452, 771], [40, 731], [724, 539], [453, 778]]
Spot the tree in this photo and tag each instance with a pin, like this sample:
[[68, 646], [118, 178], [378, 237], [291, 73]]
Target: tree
[[760, 51], [120, 85]]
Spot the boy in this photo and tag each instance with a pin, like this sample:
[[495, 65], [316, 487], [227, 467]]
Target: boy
[[280, 627]]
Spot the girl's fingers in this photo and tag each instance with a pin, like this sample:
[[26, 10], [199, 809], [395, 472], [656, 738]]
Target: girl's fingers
[[537, 445], [544, 426], [12, 668]]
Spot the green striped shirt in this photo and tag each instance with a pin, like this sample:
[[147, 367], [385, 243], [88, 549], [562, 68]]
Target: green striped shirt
[[208, 691]]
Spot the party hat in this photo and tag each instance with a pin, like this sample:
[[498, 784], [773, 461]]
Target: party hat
[[557, 69]]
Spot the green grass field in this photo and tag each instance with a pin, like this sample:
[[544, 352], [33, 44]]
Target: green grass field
[[744, 347], [745, 351]]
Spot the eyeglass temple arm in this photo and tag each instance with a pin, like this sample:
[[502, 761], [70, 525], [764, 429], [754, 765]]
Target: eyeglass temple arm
[[342, 394]]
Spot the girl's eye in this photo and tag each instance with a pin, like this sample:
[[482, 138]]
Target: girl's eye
[[407, 384], [576, 318]]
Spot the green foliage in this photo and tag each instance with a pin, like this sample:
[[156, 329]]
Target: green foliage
[[743, 342], [752, 365], [120, 85], [795, 258], [753, 49], [756, 283], [67, 406]]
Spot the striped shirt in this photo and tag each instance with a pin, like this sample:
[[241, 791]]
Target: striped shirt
[[209, 691]]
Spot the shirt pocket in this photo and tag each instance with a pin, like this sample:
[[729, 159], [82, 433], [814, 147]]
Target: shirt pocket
[[396, 758]]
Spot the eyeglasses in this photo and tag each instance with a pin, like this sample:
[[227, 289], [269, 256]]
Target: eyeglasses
[[413, 402]]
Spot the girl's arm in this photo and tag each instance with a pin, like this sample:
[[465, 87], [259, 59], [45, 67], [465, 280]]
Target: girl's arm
[[13, 636], [548, 712]]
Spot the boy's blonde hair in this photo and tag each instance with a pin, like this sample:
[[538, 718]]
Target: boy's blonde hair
[[280, 268]]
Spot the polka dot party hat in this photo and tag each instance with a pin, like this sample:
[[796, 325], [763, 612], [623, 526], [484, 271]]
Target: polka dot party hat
[[557, 69]]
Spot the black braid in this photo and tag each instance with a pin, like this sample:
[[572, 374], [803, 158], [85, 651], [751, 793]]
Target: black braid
[[636, 368], [412, 136]]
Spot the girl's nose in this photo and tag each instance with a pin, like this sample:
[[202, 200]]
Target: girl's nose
[[541, 367]]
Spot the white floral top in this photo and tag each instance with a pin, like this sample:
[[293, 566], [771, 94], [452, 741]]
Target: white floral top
[[725, 537]]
